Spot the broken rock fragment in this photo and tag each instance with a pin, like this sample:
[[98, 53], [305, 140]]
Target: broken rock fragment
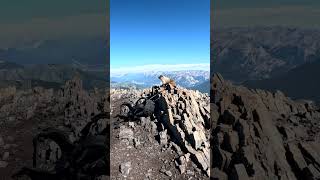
[[240, 172], [3, 164], [125, 133], [125, 168], [163, 137], [1, 141], [5, 156], [182, 163]]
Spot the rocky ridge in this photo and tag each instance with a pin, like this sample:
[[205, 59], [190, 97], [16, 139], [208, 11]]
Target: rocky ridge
[[257, 134], [26, 113]]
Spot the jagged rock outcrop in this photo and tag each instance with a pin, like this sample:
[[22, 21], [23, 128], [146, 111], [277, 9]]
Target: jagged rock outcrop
[[77, 107], [257, 134], [188, 117], [81, 106]]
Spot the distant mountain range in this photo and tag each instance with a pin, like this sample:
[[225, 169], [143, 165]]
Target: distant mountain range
[[259, 57], [184, 78], [272, 58], [242, 54], [48, 75], [302, 82], [50, 63]]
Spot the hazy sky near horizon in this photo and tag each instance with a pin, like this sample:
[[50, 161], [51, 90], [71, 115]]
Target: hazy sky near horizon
[[298, 13], [34, 20], [146, 32]]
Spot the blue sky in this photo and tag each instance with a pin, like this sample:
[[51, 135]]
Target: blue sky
[[144, 32]]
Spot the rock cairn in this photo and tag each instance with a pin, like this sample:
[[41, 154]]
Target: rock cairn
[[188, 124]]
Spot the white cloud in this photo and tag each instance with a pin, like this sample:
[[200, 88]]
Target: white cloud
[[159, 67]]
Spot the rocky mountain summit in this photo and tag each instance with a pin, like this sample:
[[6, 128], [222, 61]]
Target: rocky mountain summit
[[257, 134], [177, 148], [251, 134]]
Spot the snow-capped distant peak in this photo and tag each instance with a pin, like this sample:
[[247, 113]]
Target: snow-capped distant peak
[[159, 68]]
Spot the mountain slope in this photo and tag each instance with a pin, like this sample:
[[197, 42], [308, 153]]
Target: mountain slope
[[301, 82], [203, 87], [241, 54]]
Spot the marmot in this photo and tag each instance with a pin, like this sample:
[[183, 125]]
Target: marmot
[[167, 81]]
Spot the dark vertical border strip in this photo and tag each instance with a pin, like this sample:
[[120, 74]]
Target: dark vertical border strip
[[108, 134], [211, 78]]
